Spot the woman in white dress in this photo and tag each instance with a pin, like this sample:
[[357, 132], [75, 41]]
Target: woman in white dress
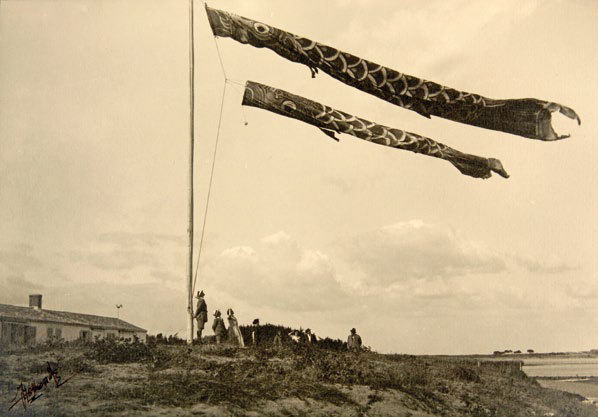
[[234, 333]]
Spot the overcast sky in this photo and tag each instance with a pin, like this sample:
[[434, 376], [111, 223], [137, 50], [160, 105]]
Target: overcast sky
[[302, 230]]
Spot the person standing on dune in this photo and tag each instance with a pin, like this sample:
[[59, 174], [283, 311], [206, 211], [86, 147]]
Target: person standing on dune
[[218, 327], [234, 333], [354, 341], [201, 314], [254, 331]]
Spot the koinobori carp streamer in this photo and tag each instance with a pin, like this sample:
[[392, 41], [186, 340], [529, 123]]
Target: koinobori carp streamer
[[528, 117], [332, 121]]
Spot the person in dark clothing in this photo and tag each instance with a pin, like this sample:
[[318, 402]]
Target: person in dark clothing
[[310, 337], [254, 335], [201, 314], [354, 341], [218, 327]]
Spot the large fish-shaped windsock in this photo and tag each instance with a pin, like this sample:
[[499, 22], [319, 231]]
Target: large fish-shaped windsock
[[332, 121], [528, 117]]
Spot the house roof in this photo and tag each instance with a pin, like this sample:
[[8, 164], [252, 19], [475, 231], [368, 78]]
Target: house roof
[[17, 313]]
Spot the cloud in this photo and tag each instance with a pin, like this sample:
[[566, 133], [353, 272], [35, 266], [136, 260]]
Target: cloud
[[278, 273], [16, 288], [166, 275], [408, 268], [415, 250], [140, 254], [394, 275], [280, 239], [431, 290], [19, 257], [403, 31], [584, 290], [553, 266], [115, 259], [21, 281]]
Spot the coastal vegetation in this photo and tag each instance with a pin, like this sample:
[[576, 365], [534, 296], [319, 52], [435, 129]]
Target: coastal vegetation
[[167, 377]]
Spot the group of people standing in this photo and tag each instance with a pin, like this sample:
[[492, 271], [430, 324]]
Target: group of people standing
[[218, 326], [234, 333]]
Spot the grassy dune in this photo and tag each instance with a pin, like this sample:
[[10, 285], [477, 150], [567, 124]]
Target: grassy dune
[[113, 378]]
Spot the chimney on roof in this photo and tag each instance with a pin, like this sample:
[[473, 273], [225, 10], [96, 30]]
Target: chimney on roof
[[35, 301]]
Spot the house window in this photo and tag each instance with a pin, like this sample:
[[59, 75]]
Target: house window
[[110, 335], [17, 333], [5, 336], [50, 332], [30, 332], [85, 335], [58, 333]]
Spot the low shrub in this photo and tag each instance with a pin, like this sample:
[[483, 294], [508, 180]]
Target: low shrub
[[242, 383], [267, 332], [78, 365], [111, 350], [466, 374], [160, 339]]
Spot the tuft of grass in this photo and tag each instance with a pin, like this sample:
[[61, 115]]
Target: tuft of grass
[[227, 385], [465, 374], [77, 364], [226, 351], [38, 368], [239, 383]]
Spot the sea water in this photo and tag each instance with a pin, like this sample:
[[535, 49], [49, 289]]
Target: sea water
[[565, 367]]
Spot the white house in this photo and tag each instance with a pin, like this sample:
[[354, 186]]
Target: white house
[[29, 325]]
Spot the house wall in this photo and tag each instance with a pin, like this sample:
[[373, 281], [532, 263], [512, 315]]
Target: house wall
[[126, 335], [28, 332], [68, 331], [16, 332]]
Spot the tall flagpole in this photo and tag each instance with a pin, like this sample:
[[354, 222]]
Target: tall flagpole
[[191, 147]]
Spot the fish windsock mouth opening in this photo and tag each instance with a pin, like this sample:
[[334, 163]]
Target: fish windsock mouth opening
[[239, 28], [220, 22], [545, 129], [213, 20]]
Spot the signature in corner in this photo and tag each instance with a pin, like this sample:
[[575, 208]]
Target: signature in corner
[[28, 394]]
